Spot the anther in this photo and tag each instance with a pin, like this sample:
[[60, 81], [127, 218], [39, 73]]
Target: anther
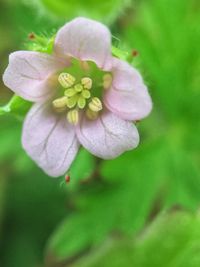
[[71, 101], [81, 102], [91, 115], [95, 104], [73, 117], [60, 102], [86, 82], [66, 80], [107, 81], [86, 94], [78, 87], [70, 92]]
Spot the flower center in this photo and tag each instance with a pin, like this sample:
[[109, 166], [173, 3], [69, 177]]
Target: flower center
[[77, 96]]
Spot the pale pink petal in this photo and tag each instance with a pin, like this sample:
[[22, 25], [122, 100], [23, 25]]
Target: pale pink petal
[[49, 140], [108, 136], [28, 74], [84, 39], [128, 96]]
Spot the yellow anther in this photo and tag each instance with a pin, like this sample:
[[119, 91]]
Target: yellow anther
[[81, 102], [71, 101], [70, 92], [60, 102], [86, 82], [107, 81], [95, 105], [91, 115], [86, 94], [66, 80], [73, 116], [78, 87]]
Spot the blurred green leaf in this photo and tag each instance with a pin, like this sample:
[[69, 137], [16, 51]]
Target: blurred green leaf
[[120, 202], [82, 168], [2, 197], [167, 36], [172, 240], [16, 106], [124, 198], [106, 11]]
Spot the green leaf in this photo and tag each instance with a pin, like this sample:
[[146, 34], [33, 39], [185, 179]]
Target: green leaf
[[81, 230], [123, 196], [119, 199], [106, 11], [157, 30], [16, 106], [2, 196], [172, 240], [82, 168]]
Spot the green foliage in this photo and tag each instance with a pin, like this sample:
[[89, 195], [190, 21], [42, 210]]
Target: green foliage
[[82, 168], [108, 206], [106, 11], [101, 217], [172, 240], [16, 106]]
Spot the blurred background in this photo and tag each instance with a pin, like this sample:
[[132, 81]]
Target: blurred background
[[141, 209]]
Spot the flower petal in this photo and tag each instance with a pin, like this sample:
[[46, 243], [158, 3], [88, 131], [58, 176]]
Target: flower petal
[[108, 136], [84, 39], [28, 74], [49, 140], [128, 96]]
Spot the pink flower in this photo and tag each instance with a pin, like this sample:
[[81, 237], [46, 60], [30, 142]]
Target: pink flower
[[82, 94]]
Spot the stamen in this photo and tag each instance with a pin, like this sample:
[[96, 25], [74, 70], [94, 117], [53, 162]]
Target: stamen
[[71, 102], [91, 115], [81, 102], [73, 116], [60, 102], [70, 92], [86, 94], [86, 82], [78, 87], [95, 105], [66, 80], [107, 81]]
